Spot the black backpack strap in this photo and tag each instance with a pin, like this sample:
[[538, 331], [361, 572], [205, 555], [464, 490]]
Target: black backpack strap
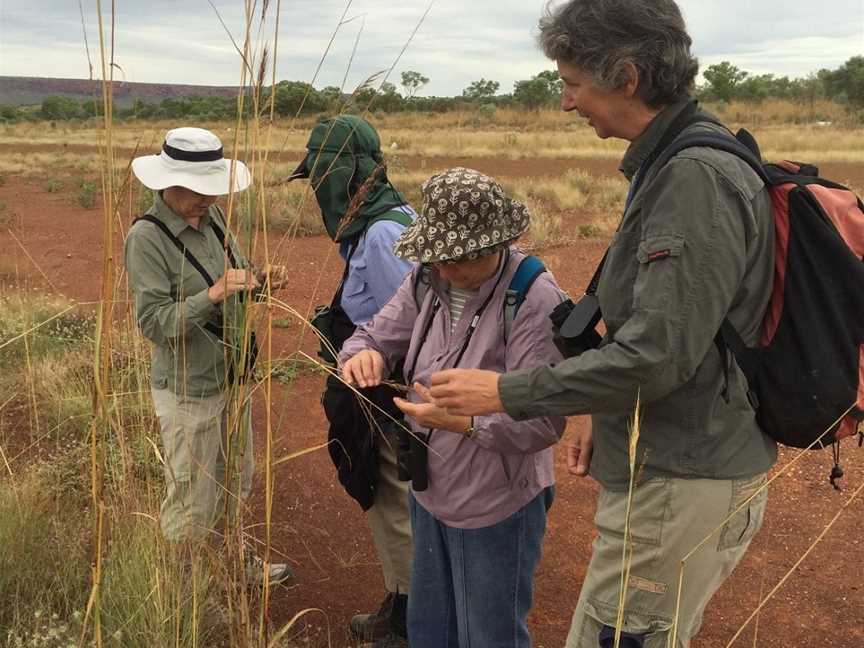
[[212, 327], [179, 245], [220, 234], [720, 142]]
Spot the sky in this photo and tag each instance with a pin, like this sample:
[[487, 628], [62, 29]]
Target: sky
[[460, 41]]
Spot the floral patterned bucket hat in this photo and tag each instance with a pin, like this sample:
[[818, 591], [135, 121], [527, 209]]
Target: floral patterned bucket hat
[[465, 215]]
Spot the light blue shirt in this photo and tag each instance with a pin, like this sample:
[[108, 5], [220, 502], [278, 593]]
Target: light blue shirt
[[374, 272]]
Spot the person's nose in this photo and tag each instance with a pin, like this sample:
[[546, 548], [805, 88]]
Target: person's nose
[[568, 102]]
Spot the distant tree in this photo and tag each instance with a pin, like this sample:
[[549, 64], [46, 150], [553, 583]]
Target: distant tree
[[723, 79], [846, 83], [94, 108], [9, 113], [174, 108], [556, 85], [412, 82], [332, 96], [807, 89], [58, 108], [292, 95], [757, 88], [389, 100], [480, 90], [541, 90], [385, 99], [143, 109]]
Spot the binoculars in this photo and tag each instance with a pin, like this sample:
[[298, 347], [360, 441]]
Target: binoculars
[[412, 457], [574, 325]]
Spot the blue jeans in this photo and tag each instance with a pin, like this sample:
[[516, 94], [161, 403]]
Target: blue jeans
[[472, 588]]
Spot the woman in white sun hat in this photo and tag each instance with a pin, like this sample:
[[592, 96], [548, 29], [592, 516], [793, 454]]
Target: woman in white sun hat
[[188, 284]]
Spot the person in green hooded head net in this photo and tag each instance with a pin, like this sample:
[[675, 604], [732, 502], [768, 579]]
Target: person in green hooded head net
[[365, 214]]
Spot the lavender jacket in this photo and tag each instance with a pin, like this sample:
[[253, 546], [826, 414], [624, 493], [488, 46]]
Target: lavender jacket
[[480, 481]]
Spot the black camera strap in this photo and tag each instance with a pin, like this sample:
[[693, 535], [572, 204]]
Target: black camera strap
[[475, 321], [213, 327]]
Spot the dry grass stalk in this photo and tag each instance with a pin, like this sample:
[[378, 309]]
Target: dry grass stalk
[[627, 550]]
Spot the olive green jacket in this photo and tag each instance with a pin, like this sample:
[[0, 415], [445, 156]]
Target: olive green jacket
[[171, 302], [695, 245]]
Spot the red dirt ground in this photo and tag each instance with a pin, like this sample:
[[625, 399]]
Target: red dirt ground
[[324, 533]]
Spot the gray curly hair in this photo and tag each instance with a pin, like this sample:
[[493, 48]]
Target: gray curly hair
[[601, 36]]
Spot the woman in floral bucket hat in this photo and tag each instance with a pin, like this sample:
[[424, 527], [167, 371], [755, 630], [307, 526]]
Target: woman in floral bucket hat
[[479, 522], [465, 216]]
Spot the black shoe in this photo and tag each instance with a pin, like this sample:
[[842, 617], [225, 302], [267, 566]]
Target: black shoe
[[375, 626]]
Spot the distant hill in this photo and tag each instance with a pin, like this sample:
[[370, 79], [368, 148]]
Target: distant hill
[[26, 91]]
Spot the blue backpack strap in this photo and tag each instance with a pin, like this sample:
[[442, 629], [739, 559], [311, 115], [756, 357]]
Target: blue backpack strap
[[526, 274]]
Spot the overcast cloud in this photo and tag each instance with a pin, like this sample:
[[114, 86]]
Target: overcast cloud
[[174, 41]]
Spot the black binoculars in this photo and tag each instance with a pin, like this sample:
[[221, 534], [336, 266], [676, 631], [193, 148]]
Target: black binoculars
[[412, 456], [575, 325]]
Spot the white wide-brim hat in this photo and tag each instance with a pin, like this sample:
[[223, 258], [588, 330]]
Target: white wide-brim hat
[[191, 158]]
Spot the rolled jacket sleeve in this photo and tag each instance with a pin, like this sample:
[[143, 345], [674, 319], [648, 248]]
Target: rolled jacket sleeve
[[529, 345], [162, 316], [691, 254]]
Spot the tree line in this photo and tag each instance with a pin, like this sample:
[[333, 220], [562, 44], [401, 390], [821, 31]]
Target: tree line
[[722, 82]]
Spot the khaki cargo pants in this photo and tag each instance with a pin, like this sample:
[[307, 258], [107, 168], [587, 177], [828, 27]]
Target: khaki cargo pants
[[390, 519], [669, 518], [194, 446]]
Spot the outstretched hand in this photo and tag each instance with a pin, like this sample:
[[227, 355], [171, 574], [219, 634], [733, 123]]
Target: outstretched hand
[[429, 415], [466, 392]]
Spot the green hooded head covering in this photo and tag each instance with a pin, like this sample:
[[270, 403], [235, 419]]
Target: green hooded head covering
[[343, 152]]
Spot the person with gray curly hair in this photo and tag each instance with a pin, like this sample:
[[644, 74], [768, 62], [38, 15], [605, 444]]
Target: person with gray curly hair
[[693, 254]]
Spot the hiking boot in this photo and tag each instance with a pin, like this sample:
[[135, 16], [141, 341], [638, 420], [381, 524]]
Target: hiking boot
[[375, 626], [279, 573], [397, 635], [391, 640]]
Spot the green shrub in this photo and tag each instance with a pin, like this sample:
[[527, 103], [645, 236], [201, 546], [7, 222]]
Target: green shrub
[[86, 195], [589, 231], [53, 186]]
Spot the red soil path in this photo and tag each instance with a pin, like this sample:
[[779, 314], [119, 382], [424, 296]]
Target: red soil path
[[324, 533]]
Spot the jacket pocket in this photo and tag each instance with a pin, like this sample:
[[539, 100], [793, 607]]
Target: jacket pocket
[[657, 256], [489, 470]]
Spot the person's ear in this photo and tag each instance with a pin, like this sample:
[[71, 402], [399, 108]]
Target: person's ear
[[630, 78]]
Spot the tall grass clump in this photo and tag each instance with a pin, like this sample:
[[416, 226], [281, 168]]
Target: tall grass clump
[[44, 561]]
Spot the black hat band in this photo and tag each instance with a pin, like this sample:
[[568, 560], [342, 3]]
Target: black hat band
[[192, 156]]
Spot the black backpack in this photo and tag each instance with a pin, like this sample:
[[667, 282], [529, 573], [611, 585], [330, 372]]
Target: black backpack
[[806, 375]]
